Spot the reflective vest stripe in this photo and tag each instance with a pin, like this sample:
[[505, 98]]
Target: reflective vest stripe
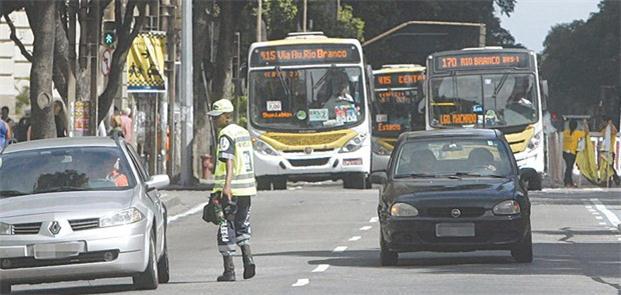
[[236, 177], [243, 181]]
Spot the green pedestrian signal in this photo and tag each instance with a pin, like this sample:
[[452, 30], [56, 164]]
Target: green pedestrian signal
[[108, 38]]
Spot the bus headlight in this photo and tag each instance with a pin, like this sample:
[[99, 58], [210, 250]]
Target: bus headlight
[[354, 144], [6, 229], [379, 149], [534, 141], [264, 149]]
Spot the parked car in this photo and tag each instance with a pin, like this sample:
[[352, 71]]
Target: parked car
[[79, 209], [451, 191]]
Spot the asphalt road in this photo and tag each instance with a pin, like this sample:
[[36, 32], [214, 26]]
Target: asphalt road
[[321, 239]]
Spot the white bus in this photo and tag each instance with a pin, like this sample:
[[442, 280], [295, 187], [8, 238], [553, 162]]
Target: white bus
[[490, 87], [308, 111]]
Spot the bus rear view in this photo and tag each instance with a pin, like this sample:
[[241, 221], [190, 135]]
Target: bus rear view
[[308, 111], [490, 87]]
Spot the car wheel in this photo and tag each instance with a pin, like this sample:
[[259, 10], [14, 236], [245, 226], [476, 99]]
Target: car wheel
[[535, 183], [523, 251], [263, 183], [5, 288], [148, 280], [163, 267], [355, 181], [280, 182], [387, 257]]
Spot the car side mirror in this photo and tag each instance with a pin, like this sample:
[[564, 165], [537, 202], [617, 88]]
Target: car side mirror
[[379, 177], [527, 175], [157, 182]]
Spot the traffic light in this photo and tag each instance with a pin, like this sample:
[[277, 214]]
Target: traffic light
[[109, 38]]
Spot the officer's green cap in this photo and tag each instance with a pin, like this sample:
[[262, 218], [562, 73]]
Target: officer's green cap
[[220, 107]]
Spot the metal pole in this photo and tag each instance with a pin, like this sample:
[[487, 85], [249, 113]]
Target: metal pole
[[304, 16], [168, 24], [94, 105], [71, 83], [187, 94], [259, 13], [482, 33]]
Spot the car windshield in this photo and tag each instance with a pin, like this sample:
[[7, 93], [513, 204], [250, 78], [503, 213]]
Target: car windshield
[[305, 99], [484, 101], [396, 107], [66, 169], [453, 157]]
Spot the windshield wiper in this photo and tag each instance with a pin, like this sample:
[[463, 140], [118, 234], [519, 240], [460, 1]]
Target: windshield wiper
[[11, 193], [283, 83], [61, 189], [416, 175], [470, 174]]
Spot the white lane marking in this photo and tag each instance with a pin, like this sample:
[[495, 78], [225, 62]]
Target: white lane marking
[[614, 220], [301, 282], [340, 249], [321, 268], [373, 220], [603, 223], [355, 238], [619, 239], [588, 207], [595, 213], [194, 210], [366, 227], [613, 229], [599, 217]]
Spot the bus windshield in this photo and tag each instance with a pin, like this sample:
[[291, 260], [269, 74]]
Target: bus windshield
[[396, 107], [307, 99], [483, 101]]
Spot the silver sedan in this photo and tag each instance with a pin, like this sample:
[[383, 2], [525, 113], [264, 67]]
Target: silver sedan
[[79, 209]]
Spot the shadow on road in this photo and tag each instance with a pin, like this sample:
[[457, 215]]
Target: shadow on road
[[105, 289]]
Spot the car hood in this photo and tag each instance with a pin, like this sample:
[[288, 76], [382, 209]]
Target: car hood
[[440, 192], [79, 203]]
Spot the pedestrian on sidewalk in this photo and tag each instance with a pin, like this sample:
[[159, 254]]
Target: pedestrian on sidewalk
[[234, 186], [607, 151], [571, 137]]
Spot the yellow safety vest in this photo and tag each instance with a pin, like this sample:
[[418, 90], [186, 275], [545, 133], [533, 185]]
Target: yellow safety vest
[[243, 183]]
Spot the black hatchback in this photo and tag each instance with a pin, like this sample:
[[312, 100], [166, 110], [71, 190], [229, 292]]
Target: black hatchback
[[452, 191]]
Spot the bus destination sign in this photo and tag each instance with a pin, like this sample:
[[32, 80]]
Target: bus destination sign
[[304, 54], [397, 80], [482, 61]]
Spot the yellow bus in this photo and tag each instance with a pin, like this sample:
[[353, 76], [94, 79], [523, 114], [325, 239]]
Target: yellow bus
[[490, 87], [308, 110], [398, 106]]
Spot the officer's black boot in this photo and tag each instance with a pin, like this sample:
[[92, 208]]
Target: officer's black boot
[[249, 266], [229, 270]]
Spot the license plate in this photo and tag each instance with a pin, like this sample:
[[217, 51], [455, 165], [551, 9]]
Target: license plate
[[352, 162], [58, 250], [455, 230]]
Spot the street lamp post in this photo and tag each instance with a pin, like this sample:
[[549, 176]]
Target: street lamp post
[[187, 94]]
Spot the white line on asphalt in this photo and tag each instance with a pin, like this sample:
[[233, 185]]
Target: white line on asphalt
[[588, 207], [321, 268], [301, 282], [194, 210], [373, 219], [340, 249], [619, 239], [614, 220], [366, 227], [613, 229], [603, 223], [355, 238], [599, 217]]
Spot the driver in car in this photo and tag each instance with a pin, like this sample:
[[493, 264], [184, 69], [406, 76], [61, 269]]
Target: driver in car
[[115, 175]]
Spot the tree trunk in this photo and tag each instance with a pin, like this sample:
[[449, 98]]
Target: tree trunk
[[230, 12], [44, 30], [200, 47]]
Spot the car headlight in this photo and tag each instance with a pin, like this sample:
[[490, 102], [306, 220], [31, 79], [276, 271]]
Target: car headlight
[[354, 144], [379, 149], [403, 209], [264, 148], [127, 216], [6, 229], [507, 207], [534, 141]]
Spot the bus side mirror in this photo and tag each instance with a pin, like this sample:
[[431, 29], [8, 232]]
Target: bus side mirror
[[544, 95]]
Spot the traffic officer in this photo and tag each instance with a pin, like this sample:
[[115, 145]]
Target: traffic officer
[[234, 185]]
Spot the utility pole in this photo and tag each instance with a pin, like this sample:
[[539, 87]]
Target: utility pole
[[94, 50], [304, 16], [187, 94], [168, 24], [259, 13], [71, 82]]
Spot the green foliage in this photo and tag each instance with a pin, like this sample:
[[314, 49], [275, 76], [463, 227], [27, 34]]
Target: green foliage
[[581, 57], [241, 104], [323, 16], [280, 17], [23, 99]]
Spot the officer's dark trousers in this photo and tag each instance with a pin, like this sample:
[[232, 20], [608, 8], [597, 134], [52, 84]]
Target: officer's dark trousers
[[236, 229]]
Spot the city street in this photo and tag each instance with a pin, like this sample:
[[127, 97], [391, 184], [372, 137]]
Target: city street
[[319, 239]]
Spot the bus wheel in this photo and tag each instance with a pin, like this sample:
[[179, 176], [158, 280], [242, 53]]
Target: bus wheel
[[355, 181], [535, 183], [264, 183], [280, 182]]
